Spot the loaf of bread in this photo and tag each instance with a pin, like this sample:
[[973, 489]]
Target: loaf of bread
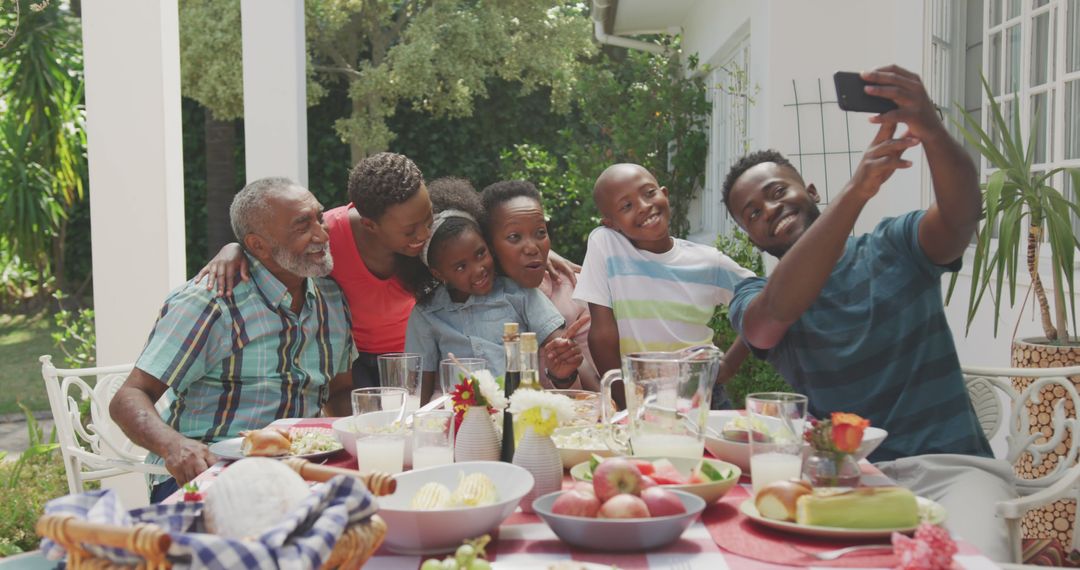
[[252, 495], [863, 508]]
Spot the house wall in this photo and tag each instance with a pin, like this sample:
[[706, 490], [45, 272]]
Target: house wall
[[795, 47]]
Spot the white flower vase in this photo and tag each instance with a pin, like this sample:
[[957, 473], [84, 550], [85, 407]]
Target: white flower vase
[[476, 438], [538, 454]]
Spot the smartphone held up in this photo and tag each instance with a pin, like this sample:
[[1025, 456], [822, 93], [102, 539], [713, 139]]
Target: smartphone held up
[[851, 95]]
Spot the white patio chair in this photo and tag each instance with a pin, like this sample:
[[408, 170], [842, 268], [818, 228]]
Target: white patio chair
[[98, 449], [1063, 480]]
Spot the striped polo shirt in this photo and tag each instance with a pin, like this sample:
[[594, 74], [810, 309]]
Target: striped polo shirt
[[877, 343], [661, 301], [240, 362]]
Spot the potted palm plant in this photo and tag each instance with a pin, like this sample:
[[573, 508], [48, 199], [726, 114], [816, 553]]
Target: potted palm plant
[[1019, 203], [1016, 197]]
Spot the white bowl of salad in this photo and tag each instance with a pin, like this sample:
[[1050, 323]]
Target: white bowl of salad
[[578, 443]]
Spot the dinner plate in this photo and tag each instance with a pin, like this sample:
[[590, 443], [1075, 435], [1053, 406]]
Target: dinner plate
[[929, 511], [230, 449]]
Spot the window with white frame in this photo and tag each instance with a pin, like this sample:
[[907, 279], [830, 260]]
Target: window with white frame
[[730, 93], [1032, 62]]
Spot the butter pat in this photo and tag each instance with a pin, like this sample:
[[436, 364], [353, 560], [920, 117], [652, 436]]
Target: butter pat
[[864, 507]]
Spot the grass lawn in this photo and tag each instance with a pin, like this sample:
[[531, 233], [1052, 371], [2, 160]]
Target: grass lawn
[[23, 338]]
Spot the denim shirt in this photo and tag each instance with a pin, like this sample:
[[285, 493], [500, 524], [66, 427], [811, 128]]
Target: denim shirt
[[474, 328]]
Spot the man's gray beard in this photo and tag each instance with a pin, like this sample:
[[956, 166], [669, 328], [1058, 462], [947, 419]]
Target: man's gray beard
[[300, 265]]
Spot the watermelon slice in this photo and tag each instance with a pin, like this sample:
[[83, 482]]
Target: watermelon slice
[[646, 467], [665, 473]]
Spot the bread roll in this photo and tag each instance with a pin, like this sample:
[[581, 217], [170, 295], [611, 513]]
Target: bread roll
[[779, 500], [268, 442], [251, 496]]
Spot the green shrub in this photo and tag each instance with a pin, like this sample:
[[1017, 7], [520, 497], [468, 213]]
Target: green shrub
[[754, 375], [40, 480]]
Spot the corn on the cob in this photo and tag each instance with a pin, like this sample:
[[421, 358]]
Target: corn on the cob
[[431, 496], [474, 490], [864, 507]]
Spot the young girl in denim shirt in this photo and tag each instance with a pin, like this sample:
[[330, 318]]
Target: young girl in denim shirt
[[462, 304]]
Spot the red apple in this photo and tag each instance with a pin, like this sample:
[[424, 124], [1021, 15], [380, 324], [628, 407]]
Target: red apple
[[661, 502], [647, 482], [614, 476], [576, 504], [624, 506]]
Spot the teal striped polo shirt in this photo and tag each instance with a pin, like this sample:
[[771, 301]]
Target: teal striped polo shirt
[[877, 343], [238, 363]]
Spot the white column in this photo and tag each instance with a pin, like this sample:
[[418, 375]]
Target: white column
[[275, 89], [131, 55]]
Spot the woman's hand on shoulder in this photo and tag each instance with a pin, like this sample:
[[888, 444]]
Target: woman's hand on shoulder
[[558, 268], [223, 269]]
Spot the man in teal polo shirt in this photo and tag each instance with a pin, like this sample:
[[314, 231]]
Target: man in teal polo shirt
[[857, 323], [279, 347]]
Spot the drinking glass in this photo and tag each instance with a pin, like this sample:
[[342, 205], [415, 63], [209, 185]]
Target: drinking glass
[[450, 373], [777, 420], [380, 438], [378, 399], [402, 370], [433, 438]]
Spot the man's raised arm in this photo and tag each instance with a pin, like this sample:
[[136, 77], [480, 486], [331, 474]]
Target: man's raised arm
[[946, 229]]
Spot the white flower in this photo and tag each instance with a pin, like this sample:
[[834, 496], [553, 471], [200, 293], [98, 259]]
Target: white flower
[[489, 389], [557, 404]]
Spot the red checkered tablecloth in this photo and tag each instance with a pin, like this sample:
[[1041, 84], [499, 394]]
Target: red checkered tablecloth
[[525, 542]]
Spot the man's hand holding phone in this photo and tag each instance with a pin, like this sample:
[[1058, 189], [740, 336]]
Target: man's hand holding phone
[[914, 107]]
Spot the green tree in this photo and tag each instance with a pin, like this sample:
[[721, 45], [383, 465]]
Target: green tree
[[437, 57], [42, 141]]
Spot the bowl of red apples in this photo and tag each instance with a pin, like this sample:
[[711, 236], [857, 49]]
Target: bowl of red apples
[[618, 511]]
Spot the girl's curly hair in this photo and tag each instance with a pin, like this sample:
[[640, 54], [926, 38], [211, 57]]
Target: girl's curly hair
[[446, 194]]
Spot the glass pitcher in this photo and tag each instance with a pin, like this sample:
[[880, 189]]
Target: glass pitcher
[[667, 402]]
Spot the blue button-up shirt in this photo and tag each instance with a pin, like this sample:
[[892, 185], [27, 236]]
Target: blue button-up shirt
[[474, 328]]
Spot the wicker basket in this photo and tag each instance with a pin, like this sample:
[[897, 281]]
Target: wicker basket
[[150, 542]]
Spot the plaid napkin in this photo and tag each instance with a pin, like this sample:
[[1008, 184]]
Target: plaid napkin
[[302, 540]]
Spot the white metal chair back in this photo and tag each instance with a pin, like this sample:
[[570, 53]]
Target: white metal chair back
[[1061, 481], [97, 449]]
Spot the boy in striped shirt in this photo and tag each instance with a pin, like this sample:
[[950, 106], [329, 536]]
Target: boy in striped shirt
[[648, 291]]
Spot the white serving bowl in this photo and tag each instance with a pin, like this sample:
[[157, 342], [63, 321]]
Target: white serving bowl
[[571, 456], [345, 430], [414, 531], [871, 439], [710, 491], [739, 452], [619, 535], [721, 448]]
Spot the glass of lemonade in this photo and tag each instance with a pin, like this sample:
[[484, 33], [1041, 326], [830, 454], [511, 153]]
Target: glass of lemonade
[[433, 438], [777, 420], [381, 451], [380, 437]]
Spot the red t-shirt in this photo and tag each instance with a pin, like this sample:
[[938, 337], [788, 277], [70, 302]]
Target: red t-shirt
[[380, 307]]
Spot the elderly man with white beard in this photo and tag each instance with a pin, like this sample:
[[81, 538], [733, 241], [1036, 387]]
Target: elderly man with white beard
[[279, 347]]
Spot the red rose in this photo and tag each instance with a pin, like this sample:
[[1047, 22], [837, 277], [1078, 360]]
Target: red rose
[[847, 431]]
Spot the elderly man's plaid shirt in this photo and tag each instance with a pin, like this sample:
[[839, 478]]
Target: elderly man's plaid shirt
[[241, 362]]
